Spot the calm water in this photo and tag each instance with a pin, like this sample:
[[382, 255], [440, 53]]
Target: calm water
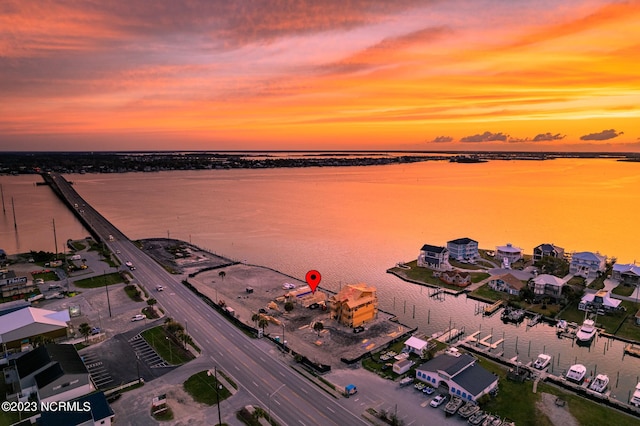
[[353, 223]]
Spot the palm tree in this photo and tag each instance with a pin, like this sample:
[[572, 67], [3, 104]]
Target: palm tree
[[255, 318], [85, 329], [263, 322], [318, 327], [222, 274], [289, 306]]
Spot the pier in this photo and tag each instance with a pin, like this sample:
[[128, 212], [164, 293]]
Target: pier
[[474, 338], [632, 349], [449, 335], [491, 309]]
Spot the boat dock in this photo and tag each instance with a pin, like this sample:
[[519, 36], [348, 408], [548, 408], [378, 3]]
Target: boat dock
[[449, 335], [491, 309], [632, 349], [475, 338]]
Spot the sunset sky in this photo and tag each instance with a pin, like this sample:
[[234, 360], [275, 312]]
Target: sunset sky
[[320, 74]]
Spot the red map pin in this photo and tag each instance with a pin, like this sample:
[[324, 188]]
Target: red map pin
[[313, 279]]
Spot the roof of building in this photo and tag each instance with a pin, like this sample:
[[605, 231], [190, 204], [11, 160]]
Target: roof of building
[[629, 268], [464, 240], [451, 365], [587, 256], [549, 279], [475, 379], [604, 295], [403, 362], [99, 410], [66, 355], [14, 305], [546, 247], [509, 249], [355, 294], [31, 361], [414, 342], [435, 249], [512, 281], [44, 320], [48, 375]]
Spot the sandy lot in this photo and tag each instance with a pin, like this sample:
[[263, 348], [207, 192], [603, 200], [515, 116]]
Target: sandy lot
[[229, 284]]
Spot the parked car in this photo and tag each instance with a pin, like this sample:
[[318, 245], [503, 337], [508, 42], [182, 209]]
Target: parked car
[[95, 330], [428, 390], [138, 317], [438, 400], [358, 329]]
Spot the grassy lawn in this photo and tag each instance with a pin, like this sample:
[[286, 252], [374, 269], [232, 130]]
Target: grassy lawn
[[77, 245], [624, 290], [629, 329], [202, 388], [425, 275], [486, 292], [548, 310], [99, 281], [164, 345], [610, 322], [517, 402], [47, 276], [134, 294]]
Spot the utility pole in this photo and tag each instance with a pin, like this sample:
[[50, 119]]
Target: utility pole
[[215, 375], [270, 396], [104, 275], [55, 238]]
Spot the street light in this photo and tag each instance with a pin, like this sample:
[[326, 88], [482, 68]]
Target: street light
[[218, 388], [170, 351], [270, 395]]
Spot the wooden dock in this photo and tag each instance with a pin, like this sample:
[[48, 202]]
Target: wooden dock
[[450, 335], [632, 349], [474, 338], [489, 310]]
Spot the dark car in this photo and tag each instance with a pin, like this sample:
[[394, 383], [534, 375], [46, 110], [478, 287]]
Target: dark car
[[358, 329]]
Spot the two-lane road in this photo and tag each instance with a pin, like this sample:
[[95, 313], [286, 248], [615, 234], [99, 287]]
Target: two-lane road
[[257, 370]]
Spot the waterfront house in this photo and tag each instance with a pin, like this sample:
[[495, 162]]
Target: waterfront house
[[434, 257], [24, 323], [457, 278], [354, 305], [587, 264], [507, 283], [600, 301], [460, 374], [627, 274], [547, 250], [463, 249], [546, 285], [417, 346], [508, 254]]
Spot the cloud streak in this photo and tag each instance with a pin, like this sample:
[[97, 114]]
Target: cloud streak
[[601, 136]]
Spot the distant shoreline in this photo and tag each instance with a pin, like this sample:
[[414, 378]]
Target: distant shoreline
[[15, 163]]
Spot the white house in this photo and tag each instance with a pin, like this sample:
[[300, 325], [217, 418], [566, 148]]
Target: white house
[[547, 285], [587, 264], [434, 257], [402, 366], [601, 300], [416, 346], [508, 254], [460, 374]]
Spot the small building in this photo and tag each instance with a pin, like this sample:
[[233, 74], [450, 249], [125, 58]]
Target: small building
[[508, 254], [94, 410], [402, 366], [434, 257], [546, 285], [507, 283], [463, 249], [457, 278], [12, 285], [354, 305], [599, 301], [627, 274], [417, 346], [461, 374], [587, 264], [547, 250]]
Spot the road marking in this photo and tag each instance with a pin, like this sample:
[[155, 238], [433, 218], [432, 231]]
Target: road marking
[[262, 359], [329, 408], [277, 402], [236, 367], [305, 391], [255, 384], [302, 423], [282, 374], [424, 404]]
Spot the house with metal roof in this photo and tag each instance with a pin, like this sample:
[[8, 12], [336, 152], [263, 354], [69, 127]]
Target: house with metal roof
[[54, 372], [463, 249], [546, 285], [547, 250], [20, 325], [508, 254], [600, 301], [460, 373], [434, 257], [628, 274], [587, 264]]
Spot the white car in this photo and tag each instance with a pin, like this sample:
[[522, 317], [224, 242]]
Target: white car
[[288, 286], [438, 400], [138, 317]]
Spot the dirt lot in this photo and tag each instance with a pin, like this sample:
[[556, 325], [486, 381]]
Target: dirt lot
[[229, 284]]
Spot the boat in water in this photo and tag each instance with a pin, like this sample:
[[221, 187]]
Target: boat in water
[[576, 373], [586, 332], [635, 398], [542, 362], [600, 383]]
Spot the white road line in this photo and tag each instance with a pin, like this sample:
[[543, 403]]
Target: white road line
[[329, 408], [255, 384], [304, 390]]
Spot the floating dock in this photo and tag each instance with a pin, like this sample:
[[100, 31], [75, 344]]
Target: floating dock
[[474, 338], [449, 335], [632, 349]]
